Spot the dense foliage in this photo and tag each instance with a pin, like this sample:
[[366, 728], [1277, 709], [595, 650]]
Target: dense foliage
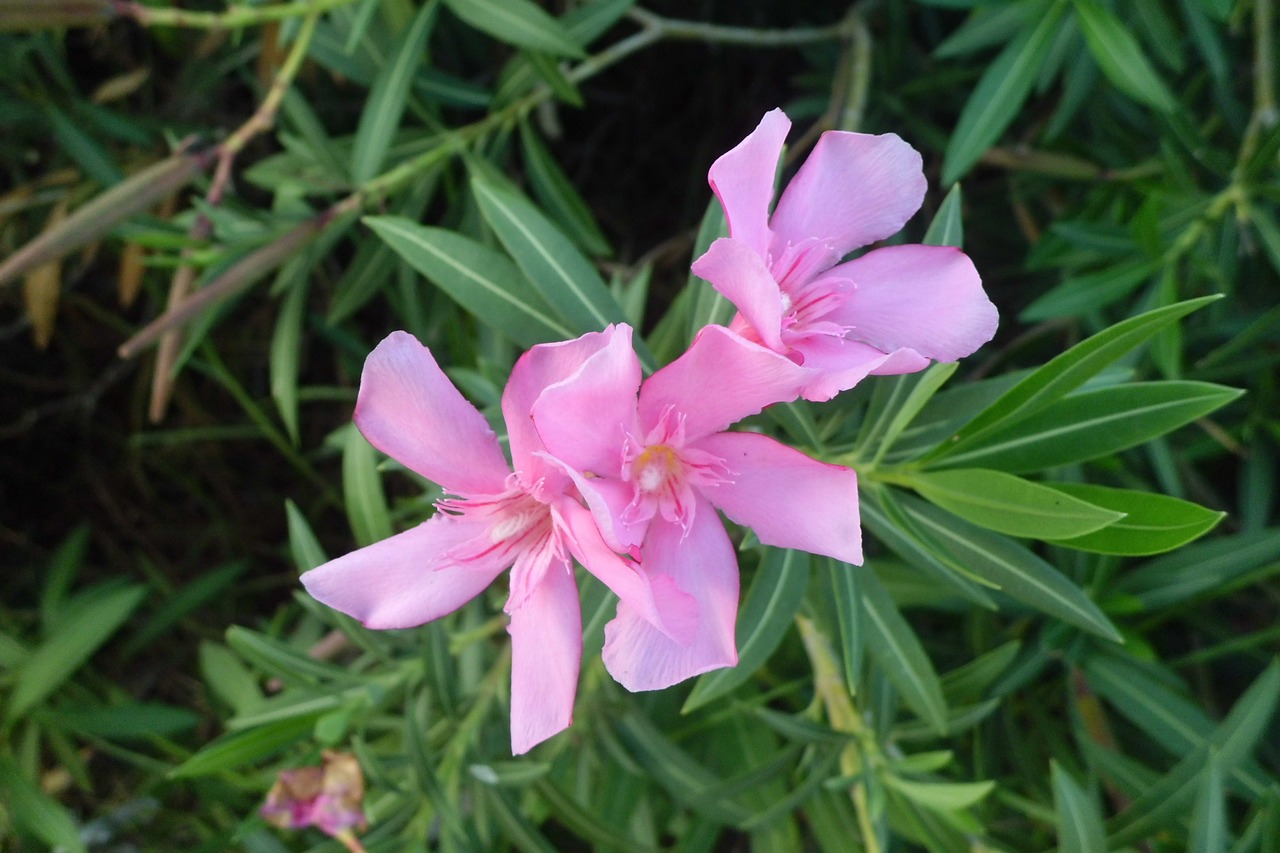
[[1064, 633]]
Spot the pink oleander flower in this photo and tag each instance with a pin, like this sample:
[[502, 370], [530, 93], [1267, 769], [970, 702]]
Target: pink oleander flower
[[528, 521], [888, 311], [653, 462], [327, 797]]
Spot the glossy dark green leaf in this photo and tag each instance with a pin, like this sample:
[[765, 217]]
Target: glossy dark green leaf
[[1091, 424], [1152, 523], [1001, 92], [1210, 831], [1079, 294], [1011, 505], [1121, 58], [764, 618], [123, 722], [558, 195], [1019, 573], [1203, 568], [238, 750], [1067, 372], [947, 228]]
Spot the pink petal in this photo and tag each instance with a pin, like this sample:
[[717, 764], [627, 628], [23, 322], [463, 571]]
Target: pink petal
[[607, 498], [546, 650], [703, 563], [583, 418], [537, 370], [743, 177], [925, 298], [655, 597], [838, 364], [854, 189], [409, 410], [739, 272], [788, 499], [404, 581], [718, 381]]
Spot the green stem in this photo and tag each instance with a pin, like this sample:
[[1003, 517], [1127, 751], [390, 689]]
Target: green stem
[[242, 15], [698, 31]]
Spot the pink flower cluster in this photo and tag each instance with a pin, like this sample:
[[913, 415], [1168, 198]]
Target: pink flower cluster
[[625, 475]]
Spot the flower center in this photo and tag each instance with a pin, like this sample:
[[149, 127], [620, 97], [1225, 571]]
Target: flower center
[[654, 467]]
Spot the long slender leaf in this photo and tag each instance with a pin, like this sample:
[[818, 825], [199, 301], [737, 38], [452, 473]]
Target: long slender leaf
[[389, 96], [517, 22], [1120, 57], [481, 280], [897, 650], [1080, 828], [362, 490], [1152, 523]]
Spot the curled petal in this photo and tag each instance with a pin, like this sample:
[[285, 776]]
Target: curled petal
[[838, 364], [721, 379], [740, 274], [853, 189], [655, 597], [703, 563], [406, 580], [546, 651], [924, 298], [742, 178], [409, 410], [788, 499], [537, 370], [583, 418]]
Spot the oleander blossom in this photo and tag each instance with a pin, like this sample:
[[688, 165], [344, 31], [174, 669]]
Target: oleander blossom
[[653, 462], [527, 520], [889, 311], [328, 797]]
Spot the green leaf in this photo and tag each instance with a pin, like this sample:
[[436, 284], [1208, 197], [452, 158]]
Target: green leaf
[[940, 796], [86, 623], [286, 354], [35, 813], [1067, 372], [1233, 740], [1145, 694], [551, 262], [517, 22], [1205, 567], [362, 490], [303, 545], [899, 654], [1152, 523], [282, 661], [1080, 294], [922, 390], [239, 750], [947, 229], [1121, 59], [709, 306], [1209, 829], [1000, 93], [187, 600], [1080, 828], [484, 282], [126, 721], [1020, 574], [1011, 505], [388, 97], [846, 583], [228, 678], [764, 619], [559, 196], [1091, 424]]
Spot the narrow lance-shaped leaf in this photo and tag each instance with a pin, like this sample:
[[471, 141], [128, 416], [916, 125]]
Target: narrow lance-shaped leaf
[[517, 22], [1080, 828], [1152, 523], [1020, 574], [1066, 372], [1011, 505], [898, 652], [362, 491], [1120, 57], [1000, 93], [388, 97], [1092, 424], [481, 280], [947, 228]]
